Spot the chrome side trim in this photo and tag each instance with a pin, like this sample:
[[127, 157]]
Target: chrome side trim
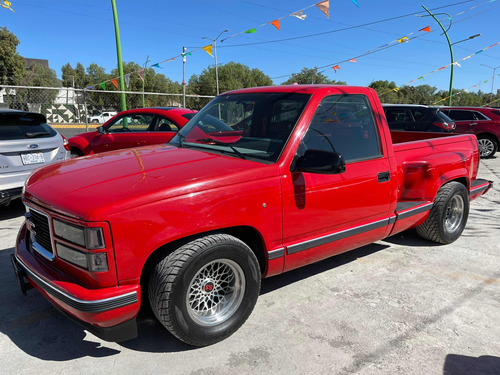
[[414, 211], [275, 254], [93, 306], [336, 236]]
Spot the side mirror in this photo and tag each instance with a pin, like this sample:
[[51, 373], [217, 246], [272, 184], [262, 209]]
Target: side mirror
[[322, 162], [100, 130]]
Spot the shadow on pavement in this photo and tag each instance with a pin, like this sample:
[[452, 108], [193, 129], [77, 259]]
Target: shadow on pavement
[[13, 210], [463, 365], [38, 329]]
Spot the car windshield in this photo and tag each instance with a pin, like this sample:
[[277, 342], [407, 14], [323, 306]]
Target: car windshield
[[24, 125], [248, 126]]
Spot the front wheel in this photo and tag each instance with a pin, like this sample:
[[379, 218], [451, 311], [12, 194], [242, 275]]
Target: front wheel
[[206, 289], [448, 215]]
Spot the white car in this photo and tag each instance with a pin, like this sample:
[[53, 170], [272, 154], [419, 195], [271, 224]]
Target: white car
[[102, 117], [26, 142]]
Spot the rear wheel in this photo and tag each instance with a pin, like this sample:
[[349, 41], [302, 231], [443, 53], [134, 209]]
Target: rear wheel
[[488, 146], [448, 215], [206, 289], [75, 153]]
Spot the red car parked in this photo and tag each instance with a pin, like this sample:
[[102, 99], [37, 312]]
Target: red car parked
[[132, 128], [484, 122]]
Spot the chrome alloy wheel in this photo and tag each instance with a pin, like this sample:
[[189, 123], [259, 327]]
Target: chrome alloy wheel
[[215, 292], [486, 147], [454, 214]]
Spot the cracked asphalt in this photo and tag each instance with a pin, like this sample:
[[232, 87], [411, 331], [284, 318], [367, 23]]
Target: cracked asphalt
[[398, 306]]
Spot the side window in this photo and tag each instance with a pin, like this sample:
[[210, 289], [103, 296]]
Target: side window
[[418, 114], [397, 115], [479, 116], [344, 124], [165, 125], [132, 123], [459, 115]]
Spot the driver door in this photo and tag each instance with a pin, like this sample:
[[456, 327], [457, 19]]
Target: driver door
[[126, 131]]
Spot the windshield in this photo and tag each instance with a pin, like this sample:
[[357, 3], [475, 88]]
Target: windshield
[[253, 126]]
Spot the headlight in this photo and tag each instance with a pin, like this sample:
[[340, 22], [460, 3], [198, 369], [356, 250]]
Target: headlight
[[90, 238]]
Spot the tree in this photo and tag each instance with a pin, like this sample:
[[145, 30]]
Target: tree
[[311, 76], [231, 76], [42, 76], [12, 65]]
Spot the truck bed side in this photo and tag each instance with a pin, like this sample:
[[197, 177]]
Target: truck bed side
[[426, 164]]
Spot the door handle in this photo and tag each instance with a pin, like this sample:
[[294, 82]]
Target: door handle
[[384, 176], [473, 123]]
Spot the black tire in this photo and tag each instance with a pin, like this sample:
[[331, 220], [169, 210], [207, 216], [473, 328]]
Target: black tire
[[488, 146], [75, 153], [206, 289], [95, 121], [448, 215]]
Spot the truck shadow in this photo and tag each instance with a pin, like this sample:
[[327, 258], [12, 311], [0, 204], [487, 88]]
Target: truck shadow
[[39, 330], [13, 210], [461, 364]]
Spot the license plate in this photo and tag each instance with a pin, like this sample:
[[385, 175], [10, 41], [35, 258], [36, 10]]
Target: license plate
[[33, 158]]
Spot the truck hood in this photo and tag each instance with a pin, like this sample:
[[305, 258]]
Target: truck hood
[[92, 187]]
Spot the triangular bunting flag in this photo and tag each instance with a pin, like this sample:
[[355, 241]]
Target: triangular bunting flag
[[186, 54], [355, 3], [353, 60], [324, 6], [444, 67], [126, 77], [275, 23], [155, 65], [251, 31], [6, 4], [299, 15], [335, 68], [103, 85], [395, 89], [208, 49], [427, 29], [114, 82], [457, 64], [140, 73], [403, 39], [421, 78]]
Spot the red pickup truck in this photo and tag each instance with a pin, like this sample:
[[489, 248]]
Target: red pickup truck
[[259, 182]]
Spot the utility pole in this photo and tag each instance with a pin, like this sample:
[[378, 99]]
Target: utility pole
[[143, 75], [119, 56], [184, 76], [493, 80], [215, 56]]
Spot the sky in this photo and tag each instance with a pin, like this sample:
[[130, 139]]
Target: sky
[[72, 31]]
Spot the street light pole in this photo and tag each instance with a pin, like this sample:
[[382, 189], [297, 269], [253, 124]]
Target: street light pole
[[184, 49], [450, 91], [119, 55], [215, 56], [143, 100], [493, 81]]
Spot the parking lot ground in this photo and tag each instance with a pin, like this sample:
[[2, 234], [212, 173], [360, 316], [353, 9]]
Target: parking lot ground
[[398, 306]]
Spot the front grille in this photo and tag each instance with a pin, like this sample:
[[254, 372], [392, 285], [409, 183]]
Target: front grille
[[42, 230]]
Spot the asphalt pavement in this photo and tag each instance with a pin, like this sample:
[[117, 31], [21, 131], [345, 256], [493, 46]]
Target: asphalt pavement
[[398, 306]]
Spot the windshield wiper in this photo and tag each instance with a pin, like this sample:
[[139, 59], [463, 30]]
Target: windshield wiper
[[219, 143], [37, 134]]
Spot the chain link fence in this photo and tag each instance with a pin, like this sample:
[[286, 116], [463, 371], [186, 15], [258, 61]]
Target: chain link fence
[[73, 111]]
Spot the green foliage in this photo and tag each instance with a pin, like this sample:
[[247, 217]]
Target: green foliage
[[12, 65], [311, 76]]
